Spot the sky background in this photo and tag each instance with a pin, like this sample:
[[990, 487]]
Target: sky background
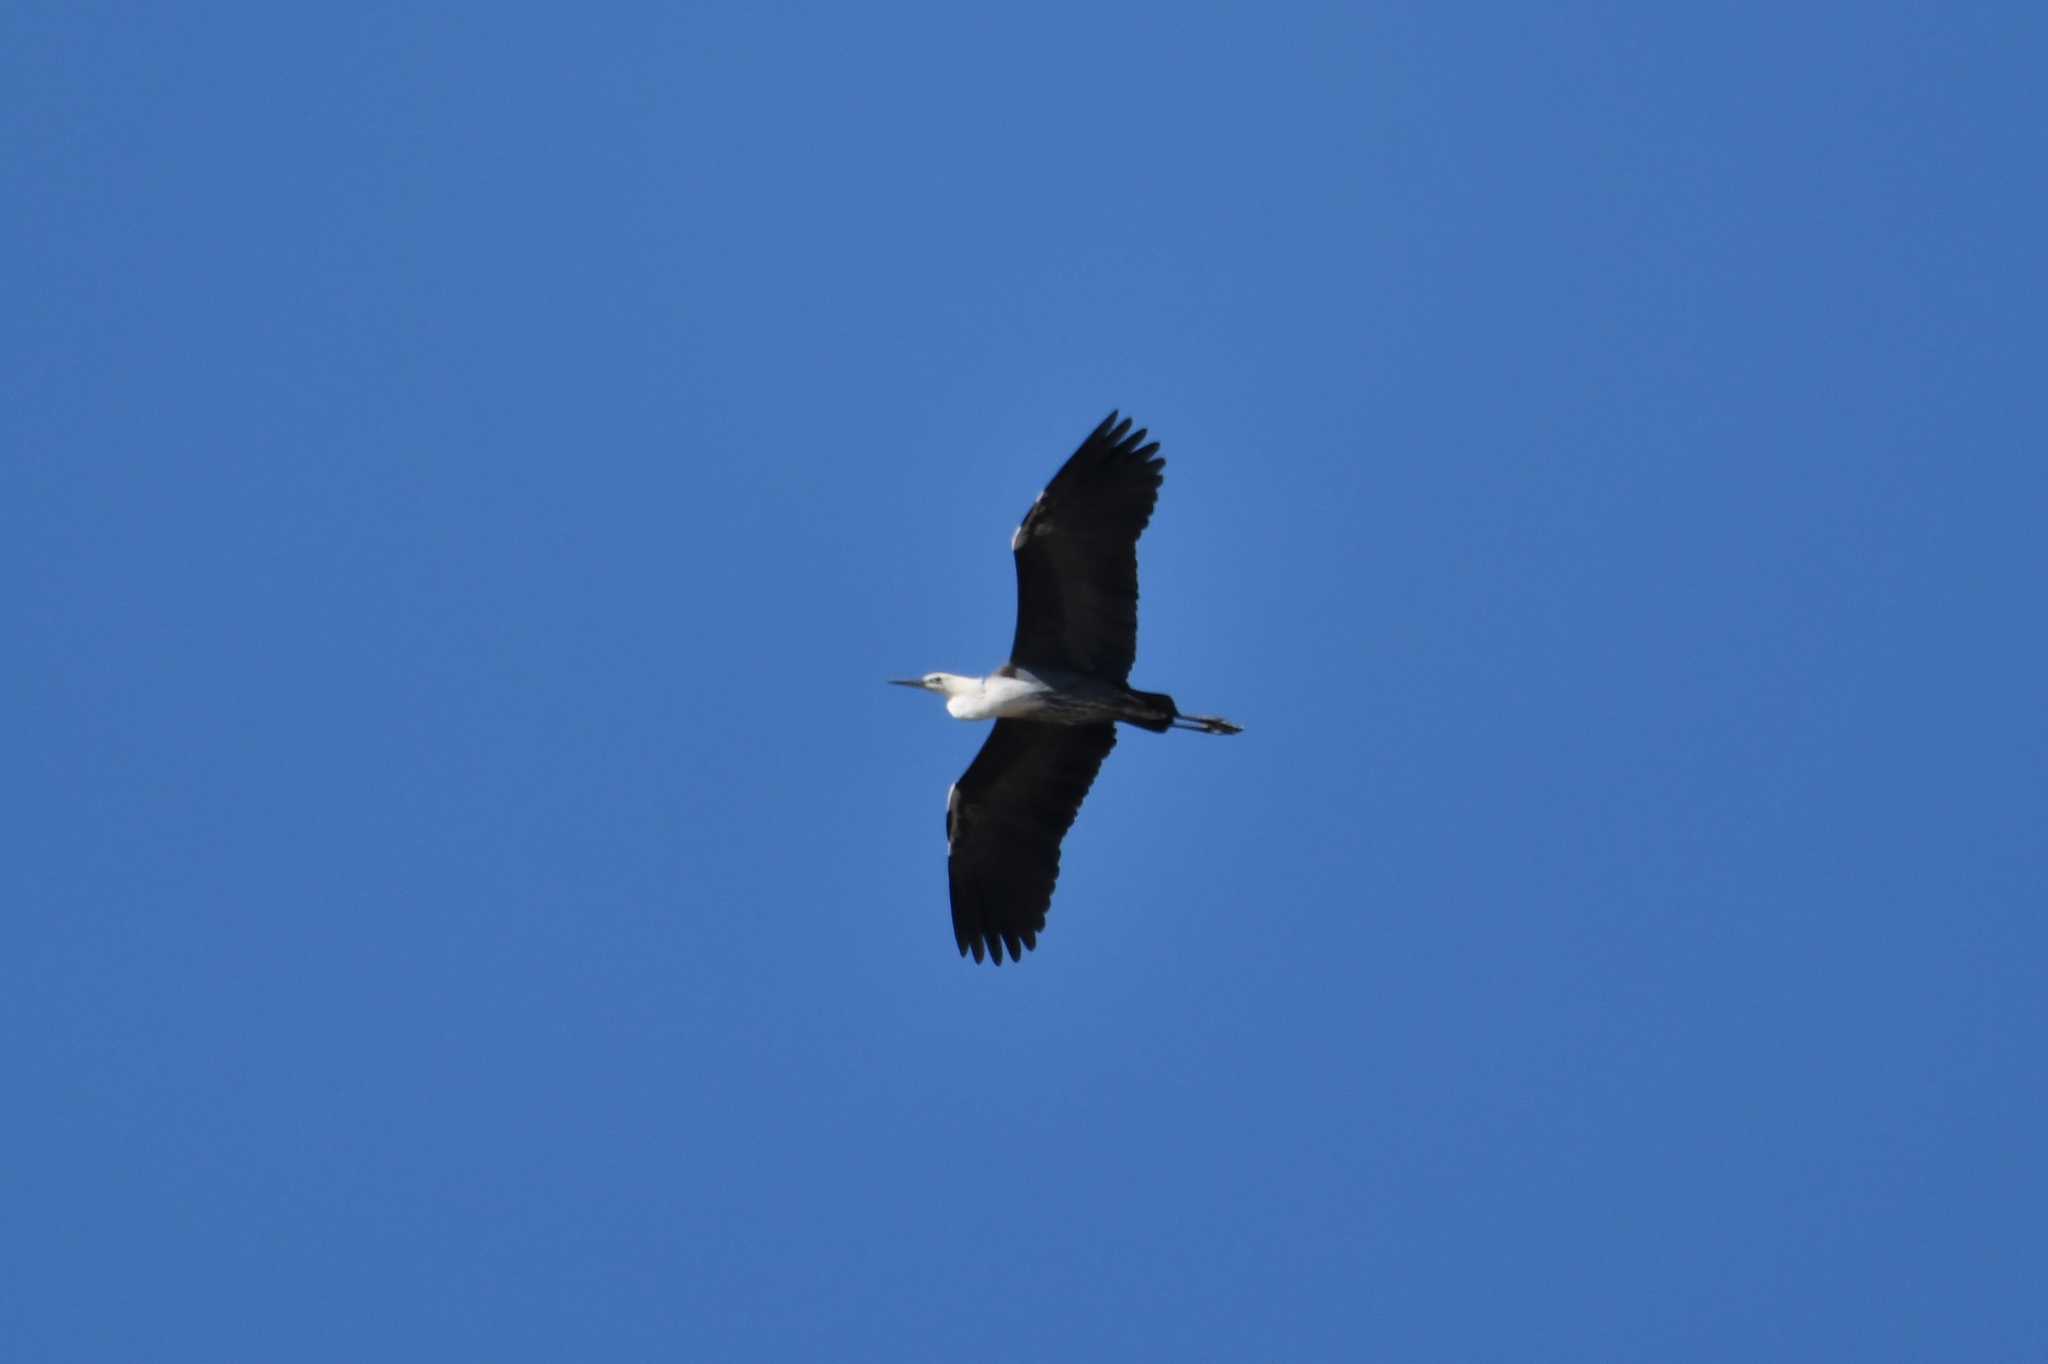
[[466, 471]]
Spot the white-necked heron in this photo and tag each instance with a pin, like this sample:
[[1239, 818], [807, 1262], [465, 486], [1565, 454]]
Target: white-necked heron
[[1057, 701]]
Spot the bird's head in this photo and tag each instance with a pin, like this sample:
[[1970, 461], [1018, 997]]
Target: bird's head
[[945, 684]]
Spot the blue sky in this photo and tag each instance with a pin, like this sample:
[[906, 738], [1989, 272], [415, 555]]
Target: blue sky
[[466, 471]]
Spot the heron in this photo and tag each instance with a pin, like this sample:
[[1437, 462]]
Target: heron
[[1057, 702]]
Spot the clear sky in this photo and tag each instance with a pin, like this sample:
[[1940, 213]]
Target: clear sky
[[466, 471]]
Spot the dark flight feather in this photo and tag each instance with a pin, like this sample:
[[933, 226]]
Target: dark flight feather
[[1004, 822], [1077, 556]]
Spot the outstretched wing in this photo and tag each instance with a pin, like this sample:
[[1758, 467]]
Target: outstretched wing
[[1005, 818], [1077, 556]]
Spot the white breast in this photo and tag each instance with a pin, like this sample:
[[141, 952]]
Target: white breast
[[997, 698]]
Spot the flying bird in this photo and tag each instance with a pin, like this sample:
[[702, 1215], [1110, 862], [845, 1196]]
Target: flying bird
[[1057, 702]]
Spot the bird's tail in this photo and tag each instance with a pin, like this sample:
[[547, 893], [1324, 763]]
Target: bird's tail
[[1158, 713]]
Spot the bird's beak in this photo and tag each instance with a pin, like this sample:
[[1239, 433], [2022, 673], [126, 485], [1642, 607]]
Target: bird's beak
[[917, 682]]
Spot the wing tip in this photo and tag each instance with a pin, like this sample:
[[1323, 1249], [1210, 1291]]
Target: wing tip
[[988, 944]]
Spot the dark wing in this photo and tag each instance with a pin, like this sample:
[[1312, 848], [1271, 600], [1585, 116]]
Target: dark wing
[[1004, 822], [1077, 556]]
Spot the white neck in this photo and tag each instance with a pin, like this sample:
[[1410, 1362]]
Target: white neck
[[965, 696], [993, 698]]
